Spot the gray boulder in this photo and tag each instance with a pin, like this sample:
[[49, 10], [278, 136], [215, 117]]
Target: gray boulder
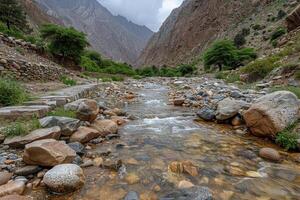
[[229, 108], [67, 125], [272, 113], [207, 114], [64, 178]]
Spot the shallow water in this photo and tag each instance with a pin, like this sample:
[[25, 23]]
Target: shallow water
[[228, 164]]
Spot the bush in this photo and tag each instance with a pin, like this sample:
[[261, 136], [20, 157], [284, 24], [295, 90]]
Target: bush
[[281, 14], [225, 53], [277, 33], [64, 42], [61, 112], [68, 81], [106, 79], [21, 127], [259, 69], [297, 75], [11, 92], [287, 139], [228, 76], [186, 70], [257, 27], [239, 40], [117, 78]]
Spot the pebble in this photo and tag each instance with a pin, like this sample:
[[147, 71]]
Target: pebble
[[270, 154]]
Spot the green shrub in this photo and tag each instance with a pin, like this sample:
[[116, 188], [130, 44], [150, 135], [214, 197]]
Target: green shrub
[[186, 70], [297, 75], [277, 33], [228, 76], [64, 42], [21, 127], [106, 79], [287, 139], [11, 92], [137, 77], [281, 14], [68, 81], [61, 112], [239, 40], [259, 69], [257, 27], [117, 78]]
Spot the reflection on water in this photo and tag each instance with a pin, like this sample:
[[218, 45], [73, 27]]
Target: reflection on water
[[228, 164]]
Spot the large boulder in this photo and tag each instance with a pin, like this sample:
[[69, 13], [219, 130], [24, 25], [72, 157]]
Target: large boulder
[[5, 177], [84, 134], [293, 19], [67, 125], [86, 109], [272, 113], [64, 178], [48, 152], [105, 127], [39, 134], [229, 107]]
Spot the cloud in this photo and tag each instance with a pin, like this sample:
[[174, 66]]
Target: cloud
[[151, 13]]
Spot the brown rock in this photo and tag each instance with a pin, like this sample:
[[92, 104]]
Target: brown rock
[[132, 178], [12, 187], [176, 167], [5, 177], [190, 168], [105, 127], [270, 154], [46, 133], [87, 110], [16, 197], [272, 113], [48, 152], [185, 184], [118, 120], [179, 101], [293, 19], [84, 134]]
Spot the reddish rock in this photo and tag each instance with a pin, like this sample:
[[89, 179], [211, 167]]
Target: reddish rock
[[84, 134], [105, 127], [87, 110], [270, 154]]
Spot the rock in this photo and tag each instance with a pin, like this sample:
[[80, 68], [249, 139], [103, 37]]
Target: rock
[[48, 153], [178, 101], [228, 108], [270, 154], [87, 110], [105, 127], [207, 114], [73, 106], [131, 196], [12, 187], [293, 19], [84, 135], [28, 170], [77, 147], [64, 178], [114, 112], [2, 138], [272, 113], [16, 197], [5, 177], [132, 178], [183, 167], [118, 120], [237, 121], [46, 133], [98, 162], [67, 125], [185, 184], [194, 193]]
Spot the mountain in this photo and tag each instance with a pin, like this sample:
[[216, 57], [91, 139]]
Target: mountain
[[114, 36], [192, 27]]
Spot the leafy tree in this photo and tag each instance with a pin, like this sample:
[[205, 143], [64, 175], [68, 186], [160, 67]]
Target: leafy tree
[[225, 53], [221, 53], [12, 14], [64, 42]]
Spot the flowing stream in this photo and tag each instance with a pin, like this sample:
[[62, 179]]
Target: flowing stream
[[228, 163]]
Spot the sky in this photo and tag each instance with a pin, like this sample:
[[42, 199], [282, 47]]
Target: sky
[[151, 13]]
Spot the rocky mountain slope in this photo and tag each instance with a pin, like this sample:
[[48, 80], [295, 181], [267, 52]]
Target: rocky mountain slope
[[114, 36], [192, 27]]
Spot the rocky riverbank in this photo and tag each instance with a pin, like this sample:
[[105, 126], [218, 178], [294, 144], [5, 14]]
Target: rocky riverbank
[[137, 140]]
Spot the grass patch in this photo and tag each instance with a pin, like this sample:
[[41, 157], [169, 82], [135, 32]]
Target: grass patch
[[20, 128], [293, 89], [61, 112], [117, 78], [68, 81], [287, 139], [11, 92], [297, 75], [228, 76]]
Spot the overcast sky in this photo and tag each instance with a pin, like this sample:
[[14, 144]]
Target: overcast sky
[[151, 13]]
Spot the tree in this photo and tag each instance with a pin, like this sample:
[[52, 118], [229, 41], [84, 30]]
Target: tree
[[12, 14], [225, 53], [64, 42], [221, 53]]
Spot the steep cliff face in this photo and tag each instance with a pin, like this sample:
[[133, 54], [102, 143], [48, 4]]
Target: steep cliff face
[[193, 26], [114, 36]]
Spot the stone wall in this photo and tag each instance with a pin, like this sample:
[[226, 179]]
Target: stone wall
[[23, 69]]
